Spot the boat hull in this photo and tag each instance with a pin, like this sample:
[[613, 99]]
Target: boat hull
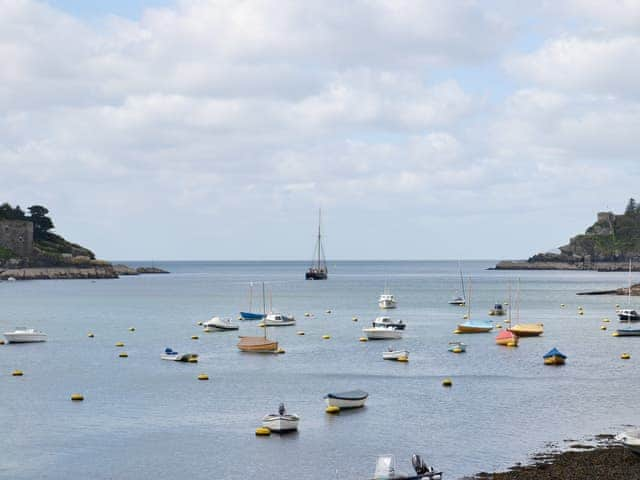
[[25, 337], [281, 423], [387, 305], [179, 357], [382, 334], [554, 360], [251, 316], [507, 338], [315, 275], [395, 355], [257, 344], [473, 328], [346, 401], [630, 332], [527, 330], [220, 328]]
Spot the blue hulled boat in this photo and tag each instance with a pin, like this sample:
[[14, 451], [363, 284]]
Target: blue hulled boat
[[554, 357]]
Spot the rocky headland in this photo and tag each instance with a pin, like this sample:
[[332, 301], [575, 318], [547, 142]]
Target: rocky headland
[[609, 245], [29, 250]]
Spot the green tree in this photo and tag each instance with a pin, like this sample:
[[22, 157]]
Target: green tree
[[7, 212], [632, 207], [41, 222]]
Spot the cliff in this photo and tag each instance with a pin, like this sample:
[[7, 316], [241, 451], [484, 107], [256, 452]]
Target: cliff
[[607, 245]]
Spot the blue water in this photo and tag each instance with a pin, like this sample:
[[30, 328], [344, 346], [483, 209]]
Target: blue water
[[145, 418]]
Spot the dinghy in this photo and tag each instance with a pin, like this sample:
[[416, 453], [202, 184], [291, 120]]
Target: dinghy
[[169, 354], [350, 399], [528, 329], [457, 347], [387, 322], [281, 421], [554, 357], [507, 338], [473, 326], [391, 354]]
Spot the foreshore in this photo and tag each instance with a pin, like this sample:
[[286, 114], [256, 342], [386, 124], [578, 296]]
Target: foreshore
[[607, 461], [74, 273], [594, 266]]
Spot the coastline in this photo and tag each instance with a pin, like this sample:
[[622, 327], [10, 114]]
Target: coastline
[[107, 271], [593, 266], [606, 460]]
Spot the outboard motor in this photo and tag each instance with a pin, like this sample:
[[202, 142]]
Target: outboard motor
[[281, 409], [418, 465]]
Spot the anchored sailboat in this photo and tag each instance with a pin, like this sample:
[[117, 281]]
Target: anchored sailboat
[[258, 344], [318, 269]]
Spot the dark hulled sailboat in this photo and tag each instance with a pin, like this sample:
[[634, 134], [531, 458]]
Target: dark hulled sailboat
[[318, 269]]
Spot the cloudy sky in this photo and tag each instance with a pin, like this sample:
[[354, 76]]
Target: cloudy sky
[[215, 129]]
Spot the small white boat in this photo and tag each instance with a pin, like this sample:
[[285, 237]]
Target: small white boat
[[387, 300], [387, 322], [630, 439], [25, 335], [382, 333], [282, 421], [169, 354], [392, 354], [350, 399], [278, 320], [217, 324], [628, 315]]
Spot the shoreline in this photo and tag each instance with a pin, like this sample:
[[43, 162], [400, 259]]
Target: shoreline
[[76, 273], [606, 460], [590, 267]]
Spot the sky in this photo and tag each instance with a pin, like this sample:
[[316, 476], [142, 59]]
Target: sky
[[216, 129]]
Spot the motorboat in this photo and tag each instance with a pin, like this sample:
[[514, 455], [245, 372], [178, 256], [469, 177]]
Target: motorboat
[[554, 357], [507, 338], [281, 421], [528, 329], [387, 300], [350, 399], [169, 354], [278, 320], [628, 315], [382, 333], [474, 326], [498, 309], [630, 439], [387, 322], [25, 335], [627, 332], [457, 347], [217, 324], [391, 354], [386, 469]]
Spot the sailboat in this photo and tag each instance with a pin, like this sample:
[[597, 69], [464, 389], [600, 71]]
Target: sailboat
[[507, 337], [628, 314], [525, 329], [318, 269], [473, 326], [251, 315], [258, 344], [459, 300]]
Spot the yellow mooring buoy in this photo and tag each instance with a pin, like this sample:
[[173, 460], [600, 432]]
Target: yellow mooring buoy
[[124, 355], [77, 397], [364, 339], [625, 356], [355, 319], [132, 329], [300, 332], [281, 350], [263, 431], [193, 360], [194, 337], [326, 337], [447, 382], [332, 409], [403, 358], [17, 373], [90, 335], [203, 376], [603, 327], [119, 344]]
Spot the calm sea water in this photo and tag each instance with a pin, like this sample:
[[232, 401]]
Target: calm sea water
[[145, 418]]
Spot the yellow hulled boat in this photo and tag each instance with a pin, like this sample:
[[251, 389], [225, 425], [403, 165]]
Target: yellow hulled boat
[[528, 329]]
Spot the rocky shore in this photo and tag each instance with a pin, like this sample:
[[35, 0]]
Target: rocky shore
[[592, 266], [84, 272], [605, 462]]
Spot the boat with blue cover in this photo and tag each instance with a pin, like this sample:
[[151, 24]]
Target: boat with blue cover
[[473, 326], [251, 315], [554, 357]]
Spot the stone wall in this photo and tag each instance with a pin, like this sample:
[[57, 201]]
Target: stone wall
[[17, 236]]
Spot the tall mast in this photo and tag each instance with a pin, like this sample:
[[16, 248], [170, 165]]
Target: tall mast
[[469, 302], [319, 236], [264, 312], [464, 295], [629, 289]]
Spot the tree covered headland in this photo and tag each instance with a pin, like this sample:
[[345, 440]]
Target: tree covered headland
[[37, 215]]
